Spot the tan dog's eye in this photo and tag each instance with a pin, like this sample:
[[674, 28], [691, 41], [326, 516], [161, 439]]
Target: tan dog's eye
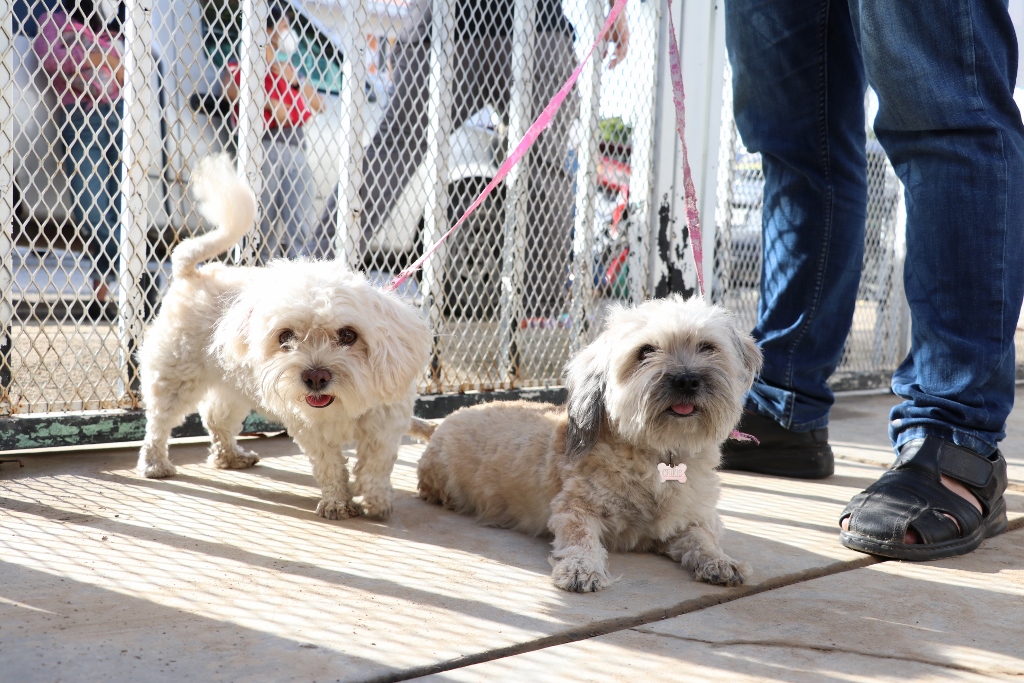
[[706, 347], [285, 338], [644, 351], [347, 336]]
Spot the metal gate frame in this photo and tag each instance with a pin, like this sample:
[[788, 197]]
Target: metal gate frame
[[652, 269]]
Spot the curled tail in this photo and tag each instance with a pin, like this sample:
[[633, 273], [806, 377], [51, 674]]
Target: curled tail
[[225, 200], [421, 429]]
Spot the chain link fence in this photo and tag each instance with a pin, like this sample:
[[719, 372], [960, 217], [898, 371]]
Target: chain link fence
[[366, 128]]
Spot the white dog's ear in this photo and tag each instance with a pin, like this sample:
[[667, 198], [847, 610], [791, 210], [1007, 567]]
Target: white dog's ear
[[750, 355], [398, 347], [231, 338], [585, 382]]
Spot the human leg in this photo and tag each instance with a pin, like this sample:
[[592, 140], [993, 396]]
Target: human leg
[[109, 199], [297, 203], [949, 125], [798, 87], [271, 244], [400, 142], [550, 198], [80, 160], [326, 227]]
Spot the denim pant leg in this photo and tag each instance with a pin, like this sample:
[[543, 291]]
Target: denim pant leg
[[948, 122], [799, 85], [92, 141]]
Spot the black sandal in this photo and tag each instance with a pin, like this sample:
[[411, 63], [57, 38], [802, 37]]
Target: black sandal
[[911, 496]]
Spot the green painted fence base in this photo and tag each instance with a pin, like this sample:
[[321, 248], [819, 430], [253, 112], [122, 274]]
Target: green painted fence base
[[91, 428]]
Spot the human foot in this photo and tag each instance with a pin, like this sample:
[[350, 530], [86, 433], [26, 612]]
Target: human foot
[[778, 451], [939, 500], [953, 485]]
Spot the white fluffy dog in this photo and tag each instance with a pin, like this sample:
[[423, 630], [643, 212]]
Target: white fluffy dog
[[310, 344], [662, 384]]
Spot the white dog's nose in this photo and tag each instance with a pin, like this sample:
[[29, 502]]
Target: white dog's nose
[[316, 379]]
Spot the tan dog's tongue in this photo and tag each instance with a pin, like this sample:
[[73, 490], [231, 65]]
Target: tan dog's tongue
[[682, 408]]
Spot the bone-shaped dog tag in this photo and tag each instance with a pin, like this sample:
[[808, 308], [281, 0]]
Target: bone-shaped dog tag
[[677, 473]]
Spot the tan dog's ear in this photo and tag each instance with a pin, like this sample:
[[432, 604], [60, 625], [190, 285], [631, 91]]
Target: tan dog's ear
[[750, 355], [585, 382], [398, 347]]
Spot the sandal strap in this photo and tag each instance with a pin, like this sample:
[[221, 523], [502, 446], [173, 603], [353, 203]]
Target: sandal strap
[[911, 495], [982, 476]]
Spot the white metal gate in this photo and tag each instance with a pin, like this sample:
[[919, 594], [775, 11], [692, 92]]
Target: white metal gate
[[519, 288]]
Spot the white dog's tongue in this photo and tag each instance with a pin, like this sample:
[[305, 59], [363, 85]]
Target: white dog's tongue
[[319, 401], [682, 408]]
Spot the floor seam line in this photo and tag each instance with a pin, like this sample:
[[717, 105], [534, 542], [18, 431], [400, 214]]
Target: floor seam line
[[860, 461], [817, 648], [618, 624]]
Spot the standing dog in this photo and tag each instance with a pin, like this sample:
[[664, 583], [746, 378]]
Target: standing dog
[[308, 343], [662, 384]]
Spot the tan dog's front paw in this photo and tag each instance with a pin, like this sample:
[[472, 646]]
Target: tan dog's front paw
[[158, 470], [721, 570], [336, 509], [579, 575], [234, 460]]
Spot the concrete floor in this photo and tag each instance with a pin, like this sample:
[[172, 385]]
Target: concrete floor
[[229, 576]]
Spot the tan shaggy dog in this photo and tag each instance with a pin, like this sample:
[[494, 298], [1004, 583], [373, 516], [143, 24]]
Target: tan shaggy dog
[[662, 384], [309, 343]]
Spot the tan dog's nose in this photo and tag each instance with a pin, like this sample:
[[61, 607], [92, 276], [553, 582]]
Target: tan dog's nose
[[316, 379], [687, 382]]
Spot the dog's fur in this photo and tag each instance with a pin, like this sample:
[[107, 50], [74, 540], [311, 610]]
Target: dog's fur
[[281, 340], [588, 472]]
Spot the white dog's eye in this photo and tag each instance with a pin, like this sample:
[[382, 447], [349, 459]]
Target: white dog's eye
[[706, 347], [347, 336], [644, 351], [286, 337]]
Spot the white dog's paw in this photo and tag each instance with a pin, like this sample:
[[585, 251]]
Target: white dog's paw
[[579, 575], [157, 470], [376, 506], [721, 570], [237, 459], [336, 509]]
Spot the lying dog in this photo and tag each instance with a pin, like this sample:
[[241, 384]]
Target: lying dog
[[310, 344], [662, 384]]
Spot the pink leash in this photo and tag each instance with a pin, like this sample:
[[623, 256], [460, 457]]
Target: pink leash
[[690, 193], [545, 118], [534, 131]]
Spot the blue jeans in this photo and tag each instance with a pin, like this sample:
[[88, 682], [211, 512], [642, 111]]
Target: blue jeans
[[92, 164], [944, 75]]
